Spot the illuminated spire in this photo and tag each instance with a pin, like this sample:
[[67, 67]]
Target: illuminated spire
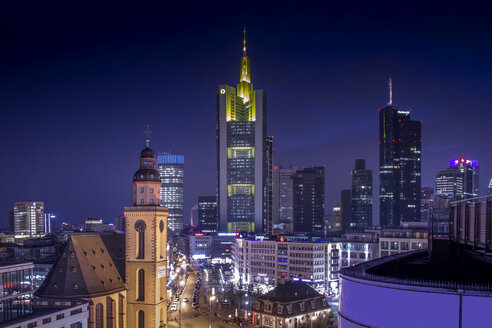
[[244, 42], [245, 71], [391, 92]]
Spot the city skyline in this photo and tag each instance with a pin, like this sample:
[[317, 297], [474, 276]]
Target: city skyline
[[78, 118]]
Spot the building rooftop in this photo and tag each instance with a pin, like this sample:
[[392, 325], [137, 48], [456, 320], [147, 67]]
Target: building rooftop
[[453, 270], [291, 298], [85, 268]]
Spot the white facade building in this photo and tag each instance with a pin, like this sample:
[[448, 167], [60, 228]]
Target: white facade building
[[315, 261]]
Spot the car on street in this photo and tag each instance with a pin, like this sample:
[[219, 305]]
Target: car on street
[[185, 299]]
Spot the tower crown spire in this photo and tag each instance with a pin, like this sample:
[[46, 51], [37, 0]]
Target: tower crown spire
[[244, 42], [245, 69], [391, 92], [147, 133]]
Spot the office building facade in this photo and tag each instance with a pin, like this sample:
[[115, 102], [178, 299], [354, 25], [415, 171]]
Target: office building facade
[[286, 198], [28, 219], [346, 209], [309, 199], [208, 214], [361, 197], [242, 161], [459, 181], [426, 202], [400, 166], [171, 170]]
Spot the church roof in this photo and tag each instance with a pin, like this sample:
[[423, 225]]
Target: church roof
[[85, 268], [291, 298]]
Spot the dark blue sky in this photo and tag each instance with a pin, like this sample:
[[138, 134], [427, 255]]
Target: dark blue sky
[[79, 81]]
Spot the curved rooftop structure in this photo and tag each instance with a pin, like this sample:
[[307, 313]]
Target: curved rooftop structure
[[417, 289]]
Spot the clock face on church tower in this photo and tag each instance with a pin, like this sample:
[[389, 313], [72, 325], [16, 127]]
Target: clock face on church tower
[[140, 226]]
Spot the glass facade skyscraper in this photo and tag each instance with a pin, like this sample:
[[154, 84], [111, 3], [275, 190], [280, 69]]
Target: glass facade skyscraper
[[361, 197], [28, 218], [309, 199], [171, 170], [242, 158], [400, 166], [207, 214], [459, 181]]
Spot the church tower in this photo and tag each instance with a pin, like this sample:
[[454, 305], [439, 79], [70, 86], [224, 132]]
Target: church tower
[[146, 253]]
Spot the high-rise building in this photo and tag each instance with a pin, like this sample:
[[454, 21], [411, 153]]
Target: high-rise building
[[146, 248], [49, 222], [309, 199], [361, 197], [208, 214], [400, 166], [242, 159], [286, 198], [459, 181], [337, 218], [120, 223], [426, 202], [269, 217], [28, 218], [490, 187], [171, 170], [346, 209]]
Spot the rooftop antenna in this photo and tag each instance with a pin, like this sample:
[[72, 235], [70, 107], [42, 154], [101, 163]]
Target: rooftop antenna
[[244, 42], [147, 134], [391, 92]]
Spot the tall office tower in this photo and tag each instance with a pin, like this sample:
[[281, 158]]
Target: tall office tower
[[400, 166], [361, 197], [286, 199], [28, 218], [346, 209], [490, 187], [309, 199], [268, 205], [146, 253], [208, 214], [426, 203], [171, 170], [276, 197], [241, 153], [49, 222], [337, 218], [459, 181], [120, 223]]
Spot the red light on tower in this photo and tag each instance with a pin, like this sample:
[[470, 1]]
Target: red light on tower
[[462, 160], [275, 167]]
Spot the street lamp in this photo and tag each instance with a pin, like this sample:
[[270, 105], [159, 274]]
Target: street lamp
[[212, 298], [313, 318]]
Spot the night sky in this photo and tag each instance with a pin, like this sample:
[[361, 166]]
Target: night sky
[[79, 81]]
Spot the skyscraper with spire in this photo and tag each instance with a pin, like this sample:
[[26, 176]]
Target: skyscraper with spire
[[400, 165], [242, 164]]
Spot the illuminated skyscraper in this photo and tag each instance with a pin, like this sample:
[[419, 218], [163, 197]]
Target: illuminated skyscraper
[[459, 181], [171, 170], [28, 218], [490, 187], [426, 202], [286, 198], [242, 159], [400, 166], [309, 199], [207, 214], [361, 197]]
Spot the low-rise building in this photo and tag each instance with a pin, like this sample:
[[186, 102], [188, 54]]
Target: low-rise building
[[16, 290], [313, 260], [49, 313], [291, 304], [400, 240]]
